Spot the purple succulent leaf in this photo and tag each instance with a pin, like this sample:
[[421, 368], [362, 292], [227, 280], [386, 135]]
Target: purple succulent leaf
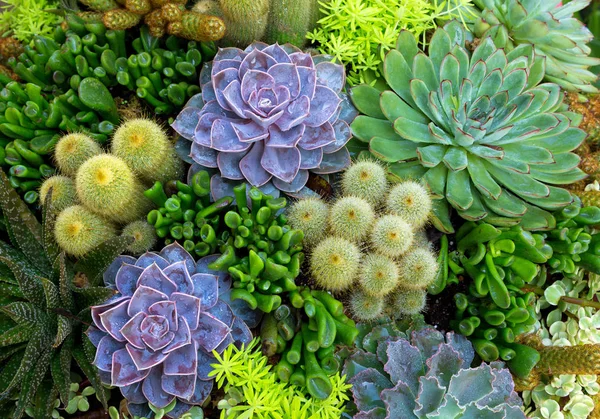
[[263, 121], [144, 359], [471, 384], [182, 361], [249, 131], [331, 75], [115, 318], [282, 163], [208, 92], [377, 413], [310, 159], [175, 253], [255, 60], [124, 370], [223, 312], [241, 310], [214, 107], [206, 288], [167, 310], [223, 345], [325, 103], [220, 188], [253, 81], [133, 393], [180, 409], [317, 137], [462, 345], [399, 402], [181, 386], [224, 138], [342, 136], [153, 277], [222, 278], [220, 81], [188, 307], [302, 59], [223, 64], [304, 193], [308, 81], [195, 102], [210, 332], [295, 113], [204, 127], [186, 121], [206, 73], [131, 331], [229, 165], [157, 343], [94, 335], [182, 337], [444, 364], [229, 53], [286, 75], [183, 149], [110, 273], [149, 258], [366, 387], [427, 340], [205, 156], [256, 45], [240, 332], [404, 363], [233, 96], [431, 395], [104, 354], [201, 392], [267, 189], [285, 139], [347, 111], [290, 49], [203, 367], [283, 99], [334, 162], [295, 185], [179, 275], [139, 410], [153, 391], [277, 53], [251, 167], [127, 278], [142, 299], [322, 58]]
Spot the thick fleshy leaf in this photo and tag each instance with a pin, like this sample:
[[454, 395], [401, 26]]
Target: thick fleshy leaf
[[210, 332], [127, 278], [206, 288], [223, 312], [294, 114], [296, 184], [153, 277], [285, 139], [286, 75], [131, 331], [96, 311], [104, 353], [233, 96], [186, 121], [220, 81], [249, 131], [404, 364], [322, 107], [163, 309], [251, 166], [188, 307], [133, 393], [342, 136], [331, 75], [175, 253], [367, 385], [317, 137], [310, 159], [178, 274], [334, 162], [124, 371], [240, 332], [282, 163], [144, 359], [204, 156], [255, 60], [470, 385], [149, 258], [181, 386], [110, 274], [308, 81], [182, 337], [152, 388], [115, 318], [182, 361], [142, 299], [201, 392], [224, 138]]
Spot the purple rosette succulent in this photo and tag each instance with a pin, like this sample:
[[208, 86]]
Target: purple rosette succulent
[[269, 113], [155, 337]]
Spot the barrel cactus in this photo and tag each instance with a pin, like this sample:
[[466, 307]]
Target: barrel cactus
[[477, 127], [269, 113], [551, 28], [154, 338]]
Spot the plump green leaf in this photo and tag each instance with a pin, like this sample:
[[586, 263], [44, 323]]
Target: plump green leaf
[[9, 370], [439, 47], [364, 128], [423, 68], [436, 180], [431, 155], [482, 179], [398, 74], [440, 217], [456, 158], [407, 45], [392, 151], [537, 219], [506, 205], [458, 190], [366, 99], [516, 182], [393, 107], [98, 259], [409, 170]]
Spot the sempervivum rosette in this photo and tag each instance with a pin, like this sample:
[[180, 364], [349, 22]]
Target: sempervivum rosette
[[154, 338], [269, 113]]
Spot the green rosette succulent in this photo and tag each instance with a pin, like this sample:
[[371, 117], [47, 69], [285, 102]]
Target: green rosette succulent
[[551, 28], [476, 127]]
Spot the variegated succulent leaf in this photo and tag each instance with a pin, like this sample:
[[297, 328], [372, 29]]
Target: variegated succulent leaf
[[553, 30], [269, 113], [155, 336], [429, 375], [477, 127]]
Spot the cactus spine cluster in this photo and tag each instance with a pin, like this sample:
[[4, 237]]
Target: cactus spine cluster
[[144, 236], [63, 192], [73, 150], [78, 230], [370, 245]]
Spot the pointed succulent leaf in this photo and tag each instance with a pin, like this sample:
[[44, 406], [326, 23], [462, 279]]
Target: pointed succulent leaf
[[97, 260], [60, 367], [26, 314], [18, 334], [43, 402], [27, 276], [48, 221], [32, 380]]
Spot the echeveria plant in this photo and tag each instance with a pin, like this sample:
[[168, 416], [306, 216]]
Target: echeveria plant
[[269, 113], [154, 338], [426, 375]]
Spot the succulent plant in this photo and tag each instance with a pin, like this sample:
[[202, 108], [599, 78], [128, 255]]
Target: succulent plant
[[154, 338], [63, 192], [396, 373], [335, 263], [143, 234], [476, 127], [269, 113], [42, 309], [72, 150], [366, 180], [551, 28], [310, 215]]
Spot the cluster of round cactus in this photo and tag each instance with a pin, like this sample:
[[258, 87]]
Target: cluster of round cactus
[[97, 192], [370, 237]]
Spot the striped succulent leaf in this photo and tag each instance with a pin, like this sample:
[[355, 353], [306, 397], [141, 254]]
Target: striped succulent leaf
[[478, 128]]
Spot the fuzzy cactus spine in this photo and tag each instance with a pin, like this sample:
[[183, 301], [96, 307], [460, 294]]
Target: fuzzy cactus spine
[[418, 268], [392, 236], [121, 19], [367, 180], [334, 263], [291, 20], [64, 193], [100, 5], [411, 201], [378, 275], [351, 218], [78, 230], [246, 20], [406, 301], [198, 27], [310, 216], [144, 236], [366, 307], [73, 150]]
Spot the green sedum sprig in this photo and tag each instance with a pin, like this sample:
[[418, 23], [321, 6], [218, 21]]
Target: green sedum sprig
[[27, 18], [251, 389], [360, 32]]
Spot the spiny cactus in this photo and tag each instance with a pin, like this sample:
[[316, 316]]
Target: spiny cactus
[[291, 20], [407, 301], [418, 268], [63, 195], [365, 307], [351, 218], [378, 274], [310, 215], [79, 230], [143, 234], [146, 149], [411, 201], [73, 150], [335, 263], [107, 186], [392, 236], [365, 180]]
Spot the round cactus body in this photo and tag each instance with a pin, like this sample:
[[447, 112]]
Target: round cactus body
[[365, 180], [144, 235], [63, 192], [351, 218], [378, 274], [310, 216], [366, 307], [417, 268], [335, 263], [392, 236], [73, 150], [411, 201], [78, 230]]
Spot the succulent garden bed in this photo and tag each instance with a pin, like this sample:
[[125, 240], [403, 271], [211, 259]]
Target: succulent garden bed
[[299, 209]]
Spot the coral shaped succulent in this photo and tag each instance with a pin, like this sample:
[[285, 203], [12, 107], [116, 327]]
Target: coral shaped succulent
[[427, 375], [553, 31], [477, 127], [155, 336], [270, 113]]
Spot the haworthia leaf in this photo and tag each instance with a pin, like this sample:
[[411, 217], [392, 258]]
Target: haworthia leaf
[[98, 259], [92, 374], [48, 222], [60, 367], [64, 328], [43, 402], [32, 381], [9, 370], [26, 314], [51, 292], [18, 334], [27, 277], [7, 352], [366, 99], [64, 284]]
